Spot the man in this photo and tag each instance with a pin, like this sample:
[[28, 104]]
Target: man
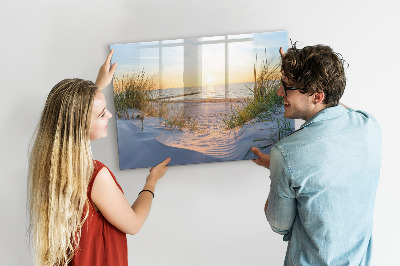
[[323, 176]]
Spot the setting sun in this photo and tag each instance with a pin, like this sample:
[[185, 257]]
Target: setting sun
[[210, 79]]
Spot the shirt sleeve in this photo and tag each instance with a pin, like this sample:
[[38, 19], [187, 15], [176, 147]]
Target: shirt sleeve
[[281, 210]]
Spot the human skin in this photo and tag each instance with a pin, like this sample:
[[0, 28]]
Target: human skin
[[297, 106], [106, 72], [106, 195], [100, 117]]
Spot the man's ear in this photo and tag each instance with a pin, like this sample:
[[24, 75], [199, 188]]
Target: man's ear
[[318, 97]]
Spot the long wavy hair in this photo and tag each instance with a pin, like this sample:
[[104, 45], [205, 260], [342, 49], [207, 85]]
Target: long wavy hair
[[60, 167]]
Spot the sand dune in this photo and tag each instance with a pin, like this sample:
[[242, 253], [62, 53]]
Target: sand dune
[[146, 148]]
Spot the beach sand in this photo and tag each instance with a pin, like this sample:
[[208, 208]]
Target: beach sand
[[225, 100], [148, 147]]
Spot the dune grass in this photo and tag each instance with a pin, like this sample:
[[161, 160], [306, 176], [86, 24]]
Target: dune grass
[[135, 91], [263, 106], [265, 101]]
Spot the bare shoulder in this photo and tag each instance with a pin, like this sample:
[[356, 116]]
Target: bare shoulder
[[111, 202], [103, 185], [104, 175]]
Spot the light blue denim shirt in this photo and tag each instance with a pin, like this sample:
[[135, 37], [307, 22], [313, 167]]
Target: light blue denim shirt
[[323, 184]]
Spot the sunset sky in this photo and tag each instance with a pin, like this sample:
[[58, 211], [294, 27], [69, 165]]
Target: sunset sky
[[208, 58]]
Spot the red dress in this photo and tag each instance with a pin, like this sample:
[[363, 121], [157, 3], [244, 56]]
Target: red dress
[[101, 243]]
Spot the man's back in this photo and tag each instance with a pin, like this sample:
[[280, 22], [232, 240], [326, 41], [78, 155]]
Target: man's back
[[325, 176]]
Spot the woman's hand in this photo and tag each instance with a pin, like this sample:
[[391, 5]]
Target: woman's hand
[[157, 172], [106, 74], [114, 206]]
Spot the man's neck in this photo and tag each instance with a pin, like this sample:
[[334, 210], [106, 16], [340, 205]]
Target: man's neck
[[318, 108]]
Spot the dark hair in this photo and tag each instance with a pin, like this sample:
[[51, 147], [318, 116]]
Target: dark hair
[[316, 69]]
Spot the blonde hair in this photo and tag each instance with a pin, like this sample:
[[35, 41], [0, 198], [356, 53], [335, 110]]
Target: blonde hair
[[60, 167]]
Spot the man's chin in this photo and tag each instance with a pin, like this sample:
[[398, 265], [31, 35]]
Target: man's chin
[[287, 115]]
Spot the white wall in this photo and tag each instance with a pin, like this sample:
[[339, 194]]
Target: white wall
[[207, 214]]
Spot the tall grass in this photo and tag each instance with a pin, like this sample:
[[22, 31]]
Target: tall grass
[[264, 106], [265, 102], [179, 118], [135, 91]]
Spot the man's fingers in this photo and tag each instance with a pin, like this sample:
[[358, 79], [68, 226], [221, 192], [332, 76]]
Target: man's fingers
[[257, 161], [256, 151], [281, 52]]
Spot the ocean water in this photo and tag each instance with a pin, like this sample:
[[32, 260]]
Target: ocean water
[[234, 90]]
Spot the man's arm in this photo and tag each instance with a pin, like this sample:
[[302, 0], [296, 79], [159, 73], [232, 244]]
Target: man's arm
[[280, 208]]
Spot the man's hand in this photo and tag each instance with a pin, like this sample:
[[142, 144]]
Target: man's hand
[[345, 106], [266, 206], [105, 73], [263, 159], [281, 52]]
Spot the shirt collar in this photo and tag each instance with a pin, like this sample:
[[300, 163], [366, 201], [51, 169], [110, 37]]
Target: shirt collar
[[326, 114]]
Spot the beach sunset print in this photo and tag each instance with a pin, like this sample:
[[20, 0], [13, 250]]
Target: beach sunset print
[[198, 100]]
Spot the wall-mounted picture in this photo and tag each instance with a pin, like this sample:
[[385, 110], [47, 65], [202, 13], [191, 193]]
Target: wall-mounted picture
[[198, 100]]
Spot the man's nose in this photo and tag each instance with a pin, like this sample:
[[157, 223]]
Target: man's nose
[[281, 91]]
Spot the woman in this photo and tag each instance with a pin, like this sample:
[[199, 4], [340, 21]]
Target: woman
[[78, 212]]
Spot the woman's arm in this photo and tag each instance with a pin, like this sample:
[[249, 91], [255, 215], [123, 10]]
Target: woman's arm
[[114, 206], [106, 72]]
